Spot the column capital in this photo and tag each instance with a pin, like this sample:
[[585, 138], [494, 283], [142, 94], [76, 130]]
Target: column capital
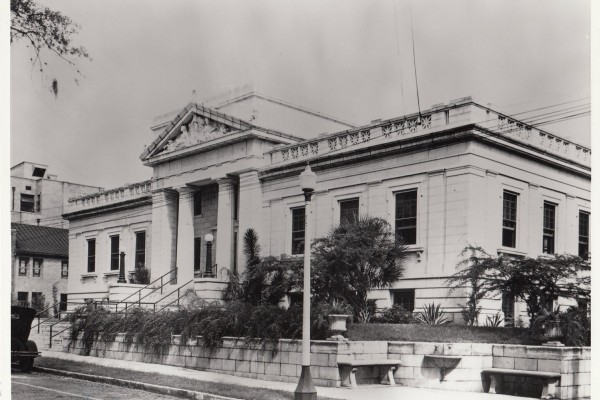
[[184, 189], [224, 180]]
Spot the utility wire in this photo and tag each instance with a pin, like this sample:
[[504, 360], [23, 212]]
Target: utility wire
[[414, 59]]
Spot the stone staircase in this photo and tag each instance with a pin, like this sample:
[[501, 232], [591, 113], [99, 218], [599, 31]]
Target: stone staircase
[[42, 339]]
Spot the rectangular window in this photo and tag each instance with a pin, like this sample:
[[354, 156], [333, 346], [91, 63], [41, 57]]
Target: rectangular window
[[406, 217], [405, 298], [549, 228], [509, 219], [197, 251], [63, 302], [508, 308], [197, 203], [140, 249], [37, 267], [584, 234], [114, 252], [64, 269], [91, 257], [35, 297], [348, 211], [23, 264], [23, 299], [236, 201], [27, 202], [298, 229]]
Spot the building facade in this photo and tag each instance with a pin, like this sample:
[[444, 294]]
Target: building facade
[[457, 174], [40, 234], [40, 265], [39, 198]]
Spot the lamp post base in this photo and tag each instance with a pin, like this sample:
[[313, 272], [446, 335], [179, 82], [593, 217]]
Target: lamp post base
[[305, 389]]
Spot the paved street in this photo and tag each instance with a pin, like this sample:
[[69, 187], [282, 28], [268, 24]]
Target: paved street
[[36, 386]]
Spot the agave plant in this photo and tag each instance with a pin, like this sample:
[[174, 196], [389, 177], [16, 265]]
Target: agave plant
[[432, 314], [494, 321]]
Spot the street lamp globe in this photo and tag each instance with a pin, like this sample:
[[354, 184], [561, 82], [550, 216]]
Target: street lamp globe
[[208, 238], [308, 180]]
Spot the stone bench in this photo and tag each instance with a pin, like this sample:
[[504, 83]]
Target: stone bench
[[348, 369], [550, 379]]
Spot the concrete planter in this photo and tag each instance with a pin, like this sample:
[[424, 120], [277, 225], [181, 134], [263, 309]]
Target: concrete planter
[[337, 326], [176, 339]]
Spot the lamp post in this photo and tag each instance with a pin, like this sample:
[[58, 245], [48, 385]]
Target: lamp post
[[306, 389], [208, 238], [122, 269]]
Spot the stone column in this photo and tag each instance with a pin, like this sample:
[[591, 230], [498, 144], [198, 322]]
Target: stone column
[[224, 249], [163, 248], [250, 213], [185, 235]]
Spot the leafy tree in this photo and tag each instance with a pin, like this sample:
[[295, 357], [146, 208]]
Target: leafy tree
[[353, 259], [44, 29], [536, 281], [473, 267]]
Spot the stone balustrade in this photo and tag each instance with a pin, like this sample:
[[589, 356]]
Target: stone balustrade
[[440, 118], [111, 196]]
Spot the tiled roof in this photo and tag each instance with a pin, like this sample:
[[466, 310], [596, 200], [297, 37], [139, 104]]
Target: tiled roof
[[41, 240]]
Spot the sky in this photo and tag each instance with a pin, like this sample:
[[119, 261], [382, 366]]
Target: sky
[[349, 59]]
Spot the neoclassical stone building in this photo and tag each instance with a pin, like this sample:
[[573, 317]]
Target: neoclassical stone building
[[459, 173]]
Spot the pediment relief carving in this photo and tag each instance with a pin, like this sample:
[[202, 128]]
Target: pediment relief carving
[[199, 130]]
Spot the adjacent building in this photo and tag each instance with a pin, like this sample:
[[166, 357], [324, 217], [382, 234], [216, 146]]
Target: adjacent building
[[40, 266], [459, 173], [39, 198], [39, 233]]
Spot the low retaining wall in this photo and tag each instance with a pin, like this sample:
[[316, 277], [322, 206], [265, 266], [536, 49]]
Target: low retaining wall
[[418, 362]]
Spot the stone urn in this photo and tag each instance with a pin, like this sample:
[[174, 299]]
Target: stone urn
[[552, 333], [337, 326]]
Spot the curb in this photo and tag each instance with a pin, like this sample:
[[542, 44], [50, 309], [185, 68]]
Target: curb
[[166, 390]]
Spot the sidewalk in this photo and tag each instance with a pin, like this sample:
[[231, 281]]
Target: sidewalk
[[381, 392]]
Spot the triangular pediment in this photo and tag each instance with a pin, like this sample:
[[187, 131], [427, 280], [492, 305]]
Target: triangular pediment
[[194, 125]]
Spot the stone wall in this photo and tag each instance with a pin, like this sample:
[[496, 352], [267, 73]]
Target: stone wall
[[420, 362], [573, 363]]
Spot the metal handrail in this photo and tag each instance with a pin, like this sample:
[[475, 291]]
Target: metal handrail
[[154, 290], [39, 323], [61, 319], [176, 300], [146, 287]]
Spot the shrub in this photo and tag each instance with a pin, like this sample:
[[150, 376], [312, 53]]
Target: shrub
[[432, 315], [494, 321], [574, 326], [39, 303], [395, 315], [142, 276]]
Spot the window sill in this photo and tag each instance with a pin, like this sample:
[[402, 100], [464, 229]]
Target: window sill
[[109, 274], [510, 252], [418, 250], [546, 256], [90, 275]]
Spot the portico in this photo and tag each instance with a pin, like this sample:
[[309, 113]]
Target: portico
[[206, 182]]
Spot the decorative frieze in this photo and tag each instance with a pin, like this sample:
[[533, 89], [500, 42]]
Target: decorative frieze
[[198, 130]]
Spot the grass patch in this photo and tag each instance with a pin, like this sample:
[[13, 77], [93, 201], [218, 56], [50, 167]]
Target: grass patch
[[439, 333], [223, 389]]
